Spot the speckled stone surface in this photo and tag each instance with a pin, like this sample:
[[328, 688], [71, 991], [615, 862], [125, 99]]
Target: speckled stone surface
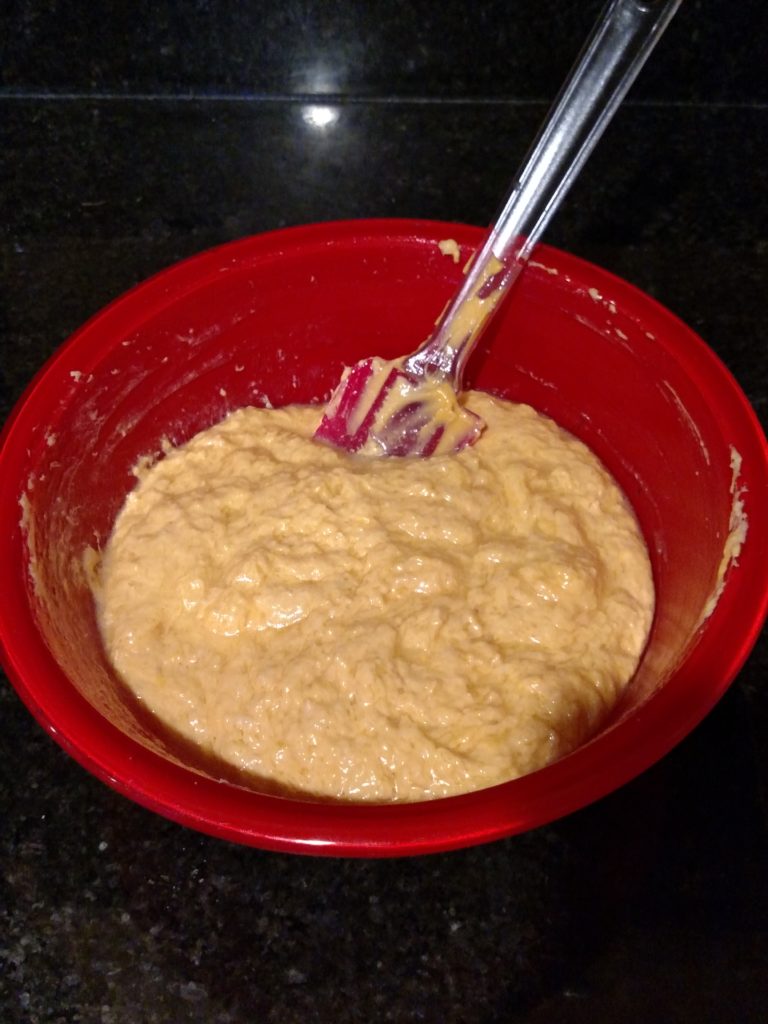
[[369, 48], [649, 906]]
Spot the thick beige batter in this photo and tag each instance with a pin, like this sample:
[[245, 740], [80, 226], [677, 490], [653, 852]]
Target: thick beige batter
[[378, 629]]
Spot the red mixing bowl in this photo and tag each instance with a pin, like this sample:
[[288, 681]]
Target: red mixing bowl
[[275, 318]]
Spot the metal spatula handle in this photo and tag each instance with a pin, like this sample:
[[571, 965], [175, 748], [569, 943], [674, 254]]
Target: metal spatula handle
[[619, 45]]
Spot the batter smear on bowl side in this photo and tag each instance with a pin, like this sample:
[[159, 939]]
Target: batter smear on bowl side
[[377, 629]]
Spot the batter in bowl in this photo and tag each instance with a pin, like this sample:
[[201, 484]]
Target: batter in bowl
[[377, 629]]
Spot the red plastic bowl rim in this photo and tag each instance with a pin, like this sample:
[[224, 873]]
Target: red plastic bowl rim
[[223, 810]]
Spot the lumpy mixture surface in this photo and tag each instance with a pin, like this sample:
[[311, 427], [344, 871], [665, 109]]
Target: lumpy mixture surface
[[377, 629]]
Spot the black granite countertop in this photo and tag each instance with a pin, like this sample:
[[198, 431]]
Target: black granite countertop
[[135, 135]]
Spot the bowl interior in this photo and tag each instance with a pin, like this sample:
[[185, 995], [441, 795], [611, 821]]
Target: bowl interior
[[273, 320]]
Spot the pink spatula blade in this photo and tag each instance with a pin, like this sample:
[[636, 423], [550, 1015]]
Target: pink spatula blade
[[379, 408]]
